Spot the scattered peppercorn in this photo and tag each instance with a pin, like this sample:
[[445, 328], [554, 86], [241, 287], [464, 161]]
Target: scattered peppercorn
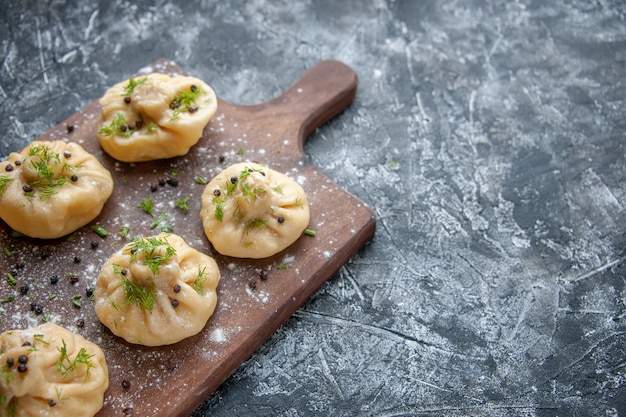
[[234, 179], [162, 182], [192, 109], [52, 403], [128, 411], [80, 323], [24, 289], [174, 303], [27, 188], [73, 278], [263, 275], [252, 284], [76, 260], [67, 154], [173, 182], [222, 158], [127, 100], [177, 288], [153, 187], [37, 309], [280, 219], [18, 163], [54, 279], [125, 384], [22, 368], [74, 178], [217, 192], [10, 362], [8, 168], [23, 359], [94, 244], [193, 88], [124, 271], [89, 291], [69, 128], [26, 343]]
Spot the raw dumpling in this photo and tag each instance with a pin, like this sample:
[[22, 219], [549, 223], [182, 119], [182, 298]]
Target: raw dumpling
[[157, 291], [50, 371], [50, 189], [251, 211], [154, 117]]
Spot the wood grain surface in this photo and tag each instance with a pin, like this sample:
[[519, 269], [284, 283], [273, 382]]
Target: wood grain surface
[[254, 296]]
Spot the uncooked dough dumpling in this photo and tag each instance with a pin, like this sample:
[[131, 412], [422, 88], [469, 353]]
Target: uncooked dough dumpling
[[252, 211], [157, 291], [51, 189], [156, 116], [51, 371]]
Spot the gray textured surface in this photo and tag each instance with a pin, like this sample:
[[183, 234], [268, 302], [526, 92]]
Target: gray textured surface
[[488, 136]]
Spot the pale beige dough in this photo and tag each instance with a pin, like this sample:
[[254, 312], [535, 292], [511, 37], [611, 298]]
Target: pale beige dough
[[142, 121], [68, 189], [180, 291], [66, 374], [252, 211]]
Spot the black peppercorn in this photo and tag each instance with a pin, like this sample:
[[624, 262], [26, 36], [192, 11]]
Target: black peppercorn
[[94, 244], [80, 323], [54, 279], [193, 87], [24, 289], [23, 359], [76, 260], [124, 272], [222, 158], [174, 303], [280, 219], [263, 275], [67, 154], [125, 384], [192, 109], [234, 179], [177, 288], [127, 100], [18, 163], [217, 192], [74, 177], [27, 188], [173, 182], [70, 128], [37, 309], [89, 292], [52, 403], [22, 368], [10, 362], [8, 168]]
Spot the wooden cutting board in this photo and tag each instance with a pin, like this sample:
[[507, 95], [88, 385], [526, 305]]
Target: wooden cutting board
[[254, 296]]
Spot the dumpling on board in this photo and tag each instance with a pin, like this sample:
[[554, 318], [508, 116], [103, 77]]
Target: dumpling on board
[[252, 211], [156, 291], [51, 189], [51, 371], [156, 116]]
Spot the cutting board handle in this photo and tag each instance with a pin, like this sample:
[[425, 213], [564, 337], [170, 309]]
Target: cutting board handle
[[321, 93]]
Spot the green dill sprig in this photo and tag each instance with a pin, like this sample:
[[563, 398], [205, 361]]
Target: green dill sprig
[[129, 88], [65, 365], [200, 280], [185, 101], [147, 205], [4, 181], [152, 258], [182, 204], [50, 172]]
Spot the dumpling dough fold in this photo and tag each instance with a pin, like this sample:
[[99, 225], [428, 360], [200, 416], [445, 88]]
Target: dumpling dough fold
[[156, 116], [157, 291], [64, 375], [252, 211], [51, 189]]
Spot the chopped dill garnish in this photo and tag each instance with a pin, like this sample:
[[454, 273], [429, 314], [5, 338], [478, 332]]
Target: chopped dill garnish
[[284, 265], [255, 223], [4, 181], [100, 231], [50, 172], [277, 190], [125, 231], [185, 101], [198, 283], [66, 366], [139, 294], [309, 232], [183, 204], [200, 180], [132, 83], [147, 205], [118, 126], [152, 258]]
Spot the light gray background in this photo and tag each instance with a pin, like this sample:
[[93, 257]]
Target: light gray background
[[488, 136]]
